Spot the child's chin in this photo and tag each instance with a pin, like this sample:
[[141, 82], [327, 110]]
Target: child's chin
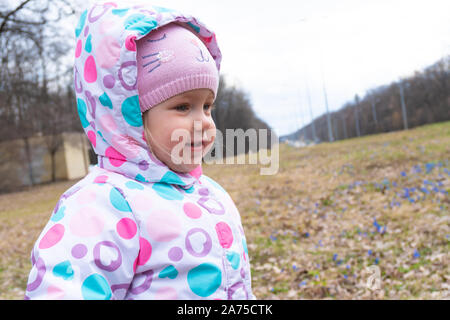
[[184, 168]]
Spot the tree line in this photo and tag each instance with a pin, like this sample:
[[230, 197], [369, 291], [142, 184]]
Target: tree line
[[36, 81], [426, 99]]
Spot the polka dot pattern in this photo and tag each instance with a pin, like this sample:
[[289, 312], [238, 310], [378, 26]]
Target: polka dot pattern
[[133, 228]]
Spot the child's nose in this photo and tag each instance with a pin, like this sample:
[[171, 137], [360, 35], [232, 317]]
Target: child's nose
[[204, 121]]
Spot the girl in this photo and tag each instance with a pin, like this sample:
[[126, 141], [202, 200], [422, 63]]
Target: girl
[[144, 223]]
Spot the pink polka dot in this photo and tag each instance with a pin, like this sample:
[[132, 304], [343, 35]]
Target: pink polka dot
[[90, 70], [106, 26], [126, 145], [87, 222], [54, 293], [115, 158], [197, 172], [108, 123], [192, 211], [141, 203], [130, 43], [92, 138], [108, 52], [163, 225], [166, 293], [145, 252], [100, 179], [126, 228], [85, 196], [52, 237], [225, 234], [78, 49]]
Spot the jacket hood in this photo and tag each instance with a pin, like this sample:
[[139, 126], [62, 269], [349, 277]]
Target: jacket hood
[[105, 76]]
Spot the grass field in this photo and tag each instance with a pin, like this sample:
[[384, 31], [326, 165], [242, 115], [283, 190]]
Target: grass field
[[313, 229]]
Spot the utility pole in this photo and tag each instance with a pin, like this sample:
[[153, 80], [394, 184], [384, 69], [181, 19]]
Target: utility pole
[[358, 131], [330, 133], [313, 127], [402, 100], [302, 130]]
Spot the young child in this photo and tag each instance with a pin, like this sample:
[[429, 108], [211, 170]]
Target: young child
[[143, 224]]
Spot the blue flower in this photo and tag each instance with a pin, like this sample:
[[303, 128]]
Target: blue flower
[[403, 174], [335, 256], [424, 190], [417, 169], [406, 194], [416, 254], [377, 260], [429, 166], [369, 252]]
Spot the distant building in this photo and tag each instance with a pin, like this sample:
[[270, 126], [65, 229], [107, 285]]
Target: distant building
[[71, 161]]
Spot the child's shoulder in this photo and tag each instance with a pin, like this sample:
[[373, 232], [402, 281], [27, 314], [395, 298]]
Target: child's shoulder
[[98, 183], [209, 182]]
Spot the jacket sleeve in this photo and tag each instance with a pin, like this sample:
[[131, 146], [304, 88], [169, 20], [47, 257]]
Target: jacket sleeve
[[88, 248]]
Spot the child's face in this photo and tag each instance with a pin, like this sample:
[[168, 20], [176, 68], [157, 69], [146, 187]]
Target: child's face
[[185, 119]]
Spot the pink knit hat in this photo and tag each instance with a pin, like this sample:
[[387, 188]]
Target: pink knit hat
[[172, 60]]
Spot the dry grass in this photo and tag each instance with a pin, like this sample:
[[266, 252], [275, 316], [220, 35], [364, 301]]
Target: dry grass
[[312, 229]]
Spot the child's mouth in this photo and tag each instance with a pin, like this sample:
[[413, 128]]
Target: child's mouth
[[198, 146]]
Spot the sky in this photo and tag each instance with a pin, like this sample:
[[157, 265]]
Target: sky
[[280, 52], [277, 51]]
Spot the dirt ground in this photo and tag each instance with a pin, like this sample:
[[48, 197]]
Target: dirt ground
[[364, 218]]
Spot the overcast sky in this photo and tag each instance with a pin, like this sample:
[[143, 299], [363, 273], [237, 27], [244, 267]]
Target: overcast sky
[[275, 49]]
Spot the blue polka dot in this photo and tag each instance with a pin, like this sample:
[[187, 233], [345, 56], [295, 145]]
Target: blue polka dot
[[204, 279], [197, 29], [134, 185], [63, 270], [58, 215], [105, 101], [118, 201], [169, 272], [81, 22], [161, 9], [244, 244], [131, 111], [171, 178], [119, 12], [101, 135], [166, 191], [234, 259], [82, 109], [88, 45], [95, 287], [190, 190], [140, 22], [140, 177]]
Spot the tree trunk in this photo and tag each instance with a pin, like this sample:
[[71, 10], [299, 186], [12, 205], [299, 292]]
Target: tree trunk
[[29, 160]]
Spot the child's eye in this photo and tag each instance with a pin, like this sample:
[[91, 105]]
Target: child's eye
[[208, 107], [182, 107]]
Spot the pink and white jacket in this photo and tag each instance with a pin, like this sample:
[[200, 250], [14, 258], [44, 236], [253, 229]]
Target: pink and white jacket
[[132, 228]]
